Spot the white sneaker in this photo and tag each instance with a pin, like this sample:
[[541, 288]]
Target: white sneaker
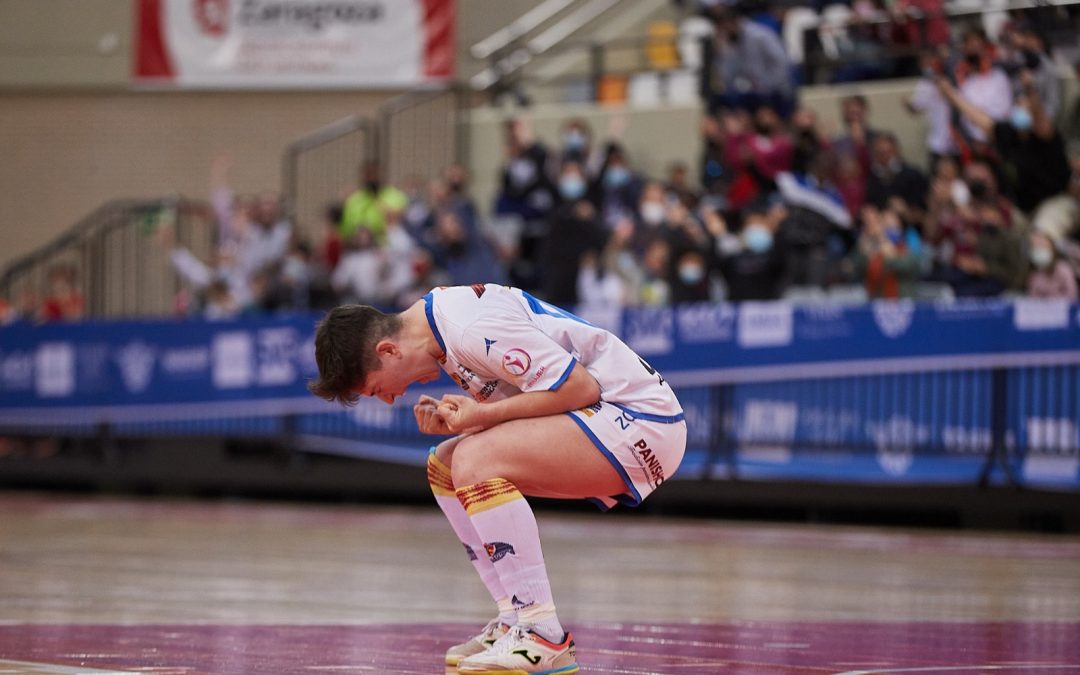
[[479, 643], [522, 652]]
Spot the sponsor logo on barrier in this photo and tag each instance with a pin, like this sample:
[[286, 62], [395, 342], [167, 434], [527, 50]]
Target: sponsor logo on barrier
[[768, 430], [277, 356], [136, 361], [1052, 449], [823, 322], [185, 361], [1035, 314], [650, 331], [234, 357], [893, 317], [17, 371], [54, 370], [896, 440], [765, 324], [706, 323]]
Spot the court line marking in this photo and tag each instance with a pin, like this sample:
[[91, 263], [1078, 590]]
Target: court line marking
[[1027, 666], [54, 669]]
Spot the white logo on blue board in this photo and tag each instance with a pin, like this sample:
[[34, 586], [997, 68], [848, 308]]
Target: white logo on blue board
[[765, 324], [650, 330], [277, 352], [893, 317], [17, 371], [136, 361], [233, 354], [896, 440], [54, 369]]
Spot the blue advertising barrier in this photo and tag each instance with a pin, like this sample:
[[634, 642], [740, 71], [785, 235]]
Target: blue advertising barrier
[[889, 392]]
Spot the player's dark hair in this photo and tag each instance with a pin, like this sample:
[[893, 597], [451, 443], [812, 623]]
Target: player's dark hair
[[345, 349]]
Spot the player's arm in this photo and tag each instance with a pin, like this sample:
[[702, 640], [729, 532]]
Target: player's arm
[[578, 390]]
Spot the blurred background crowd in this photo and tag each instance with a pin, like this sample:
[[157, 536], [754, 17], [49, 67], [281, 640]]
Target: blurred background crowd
[[775, 206]]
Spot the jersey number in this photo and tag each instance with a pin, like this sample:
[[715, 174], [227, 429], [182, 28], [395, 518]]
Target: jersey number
[[651, 370]]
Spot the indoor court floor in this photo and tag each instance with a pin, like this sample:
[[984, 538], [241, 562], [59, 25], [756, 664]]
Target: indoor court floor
[[109, 585]]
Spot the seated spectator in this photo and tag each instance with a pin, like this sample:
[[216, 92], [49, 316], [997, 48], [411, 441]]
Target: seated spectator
[[574, 231], [65, 302], [366, 207], [462, 252], [1028, 142], [887, 256], [1034, 73], [689, 244], [754, 68], [755, 156], [890, 176], [358, 278], [756, 270], [1051, 275], [987, 254]]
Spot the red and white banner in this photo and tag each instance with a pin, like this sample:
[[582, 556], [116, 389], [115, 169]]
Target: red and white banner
[[294, 43]]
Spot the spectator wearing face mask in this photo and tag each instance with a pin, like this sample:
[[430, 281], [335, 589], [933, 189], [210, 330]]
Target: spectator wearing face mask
[[756, 270], [753, 66], [574, 231], [756, 155], [815, 230], [981, 83], [1028, 144], [577, 145], [619, 186], [1050, 276], [887, 256], [1036, 73]]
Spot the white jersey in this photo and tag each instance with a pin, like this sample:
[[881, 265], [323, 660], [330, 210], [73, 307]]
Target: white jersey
[[501, 341]]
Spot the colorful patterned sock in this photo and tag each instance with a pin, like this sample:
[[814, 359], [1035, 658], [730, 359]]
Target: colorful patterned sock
[[443, 488], [505, 522]]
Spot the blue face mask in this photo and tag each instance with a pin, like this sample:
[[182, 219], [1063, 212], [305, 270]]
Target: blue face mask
[[571, 187], [616, 177], [573, 141], [758, 239], [1020, 118]]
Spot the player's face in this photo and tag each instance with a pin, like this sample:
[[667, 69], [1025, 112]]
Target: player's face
[[389, 383]]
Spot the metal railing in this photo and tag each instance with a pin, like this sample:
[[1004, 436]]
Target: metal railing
[[115, 259], [322, 167]]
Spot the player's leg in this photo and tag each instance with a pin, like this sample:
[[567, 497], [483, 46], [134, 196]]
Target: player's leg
[[549, 456], [442, 487]]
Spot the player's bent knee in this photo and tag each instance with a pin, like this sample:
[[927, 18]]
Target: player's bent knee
[[471, 465]]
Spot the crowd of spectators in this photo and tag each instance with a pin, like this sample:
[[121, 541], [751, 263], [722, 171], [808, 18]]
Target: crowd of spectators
[[777, 207]]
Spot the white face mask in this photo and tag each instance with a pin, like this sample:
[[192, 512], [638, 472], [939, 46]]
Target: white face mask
[[652, 213], [1041, 257]]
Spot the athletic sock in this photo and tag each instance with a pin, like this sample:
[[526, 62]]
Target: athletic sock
[[443, 488], [505, 523]]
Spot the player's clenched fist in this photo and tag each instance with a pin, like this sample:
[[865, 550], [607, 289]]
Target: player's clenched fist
[[461, 413], [428, 418]]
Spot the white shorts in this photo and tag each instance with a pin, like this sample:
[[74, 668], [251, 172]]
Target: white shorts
[[645, 449]]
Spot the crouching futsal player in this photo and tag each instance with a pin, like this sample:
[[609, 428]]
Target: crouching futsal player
[[555, 407]]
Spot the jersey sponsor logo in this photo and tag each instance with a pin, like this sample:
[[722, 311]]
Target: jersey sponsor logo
[[487, 346], [649, 460], [516, 362], [487, 390], [469, 552], [497, 550], [536, 378], [460, 381], [479, 289]]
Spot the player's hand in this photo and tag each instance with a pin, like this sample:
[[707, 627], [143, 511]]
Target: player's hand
[[461, 413], [428, 418]]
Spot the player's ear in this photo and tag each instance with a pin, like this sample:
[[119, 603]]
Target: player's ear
[[386, 347]]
